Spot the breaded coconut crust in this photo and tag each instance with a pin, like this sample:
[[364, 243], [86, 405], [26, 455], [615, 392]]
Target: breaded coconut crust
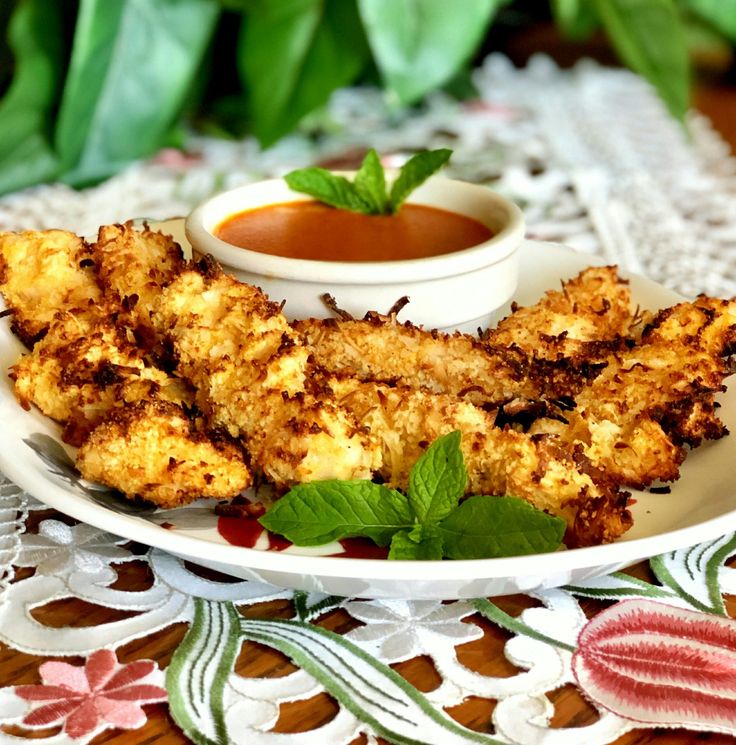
[[42, 272], [151, 450], [178, 381]]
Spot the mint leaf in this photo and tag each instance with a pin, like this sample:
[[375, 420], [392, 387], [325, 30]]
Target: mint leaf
[[490, 527], [438, 479], [322, 511], [367, 194], [326, 187], [414, 173], [408, 545], [370, 183]]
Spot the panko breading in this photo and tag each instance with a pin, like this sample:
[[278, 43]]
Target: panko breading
[[499, 461], [666, 381], [152, 450], [133, 265], [253, 378], [588, 317], [85, 366], [379, 348], [42, 272]]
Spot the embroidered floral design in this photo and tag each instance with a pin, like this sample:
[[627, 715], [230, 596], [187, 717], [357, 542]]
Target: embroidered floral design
[[400, 629], [58, 549], [99, 695], [655, 664]]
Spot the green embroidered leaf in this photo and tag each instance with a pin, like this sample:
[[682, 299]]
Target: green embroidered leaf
[[370, 183], [693, 573], [618, 586], [309, 605], [489, 527], [322, 511], [511, 623], [438, 479], [326, 187], [376, 695], [415, 172], [196, 676]]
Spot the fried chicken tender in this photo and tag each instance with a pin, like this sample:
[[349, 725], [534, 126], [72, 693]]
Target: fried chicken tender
[[152, 450], [253, 379], [379, 348], [85, 366], [584, 320], [499, 461], [133, 265], [42, 272], [632, 419]]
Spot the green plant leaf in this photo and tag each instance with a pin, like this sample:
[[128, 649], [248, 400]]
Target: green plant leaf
[[420, 45], [422, 544], [292, 54], [367, 193], [35, 35], [334, 190], [315, 513], [438, 479], [131, 68], [490, 527], [415, 172], [721, 14], [370, 183], [576, 18], [649, 38]]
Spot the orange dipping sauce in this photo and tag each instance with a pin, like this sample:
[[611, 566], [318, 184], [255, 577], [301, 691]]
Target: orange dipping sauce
[[311, 230]]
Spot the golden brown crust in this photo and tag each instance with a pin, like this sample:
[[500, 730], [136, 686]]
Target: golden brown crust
[[379, 348], [133, 265], [151, 449], [42, 272], [253, 377], [499, 461], [585, 320]]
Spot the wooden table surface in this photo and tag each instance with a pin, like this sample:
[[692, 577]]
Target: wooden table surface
[[484, 655]]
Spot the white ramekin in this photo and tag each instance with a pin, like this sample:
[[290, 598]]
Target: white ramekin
[[454, 290]]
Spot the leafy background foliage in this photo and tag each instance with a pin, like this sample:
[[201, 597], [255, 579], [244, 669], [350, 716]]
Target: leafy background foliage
[[87, 86]]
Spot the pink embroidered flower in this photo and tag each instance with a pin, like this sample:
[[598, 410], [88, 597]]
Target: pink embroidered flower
[[101, 692], [660, 665]]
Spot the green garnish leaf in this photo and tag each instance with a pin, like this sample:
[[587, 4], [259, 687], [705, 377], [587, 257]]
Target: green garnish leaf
[[370, 183], [405, 546], [415, 172], [326, 187], [438, 479], [367, 193], [322, 511], [428, 523], [490, 527]]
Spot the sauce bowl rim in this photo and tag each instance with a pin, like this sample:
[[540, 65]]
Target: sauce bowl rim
[[201, 222]]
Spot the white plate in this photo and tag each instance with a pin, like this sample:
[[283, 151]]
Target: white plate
[[702, 504]]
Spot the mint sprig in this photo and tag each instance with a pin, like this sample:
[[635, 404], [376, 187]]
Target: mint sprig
[[367, 193], [430, 522]]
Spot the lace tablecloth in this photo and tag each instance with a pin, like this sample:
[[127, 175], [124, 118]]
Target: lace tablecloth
[[595, 162]]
